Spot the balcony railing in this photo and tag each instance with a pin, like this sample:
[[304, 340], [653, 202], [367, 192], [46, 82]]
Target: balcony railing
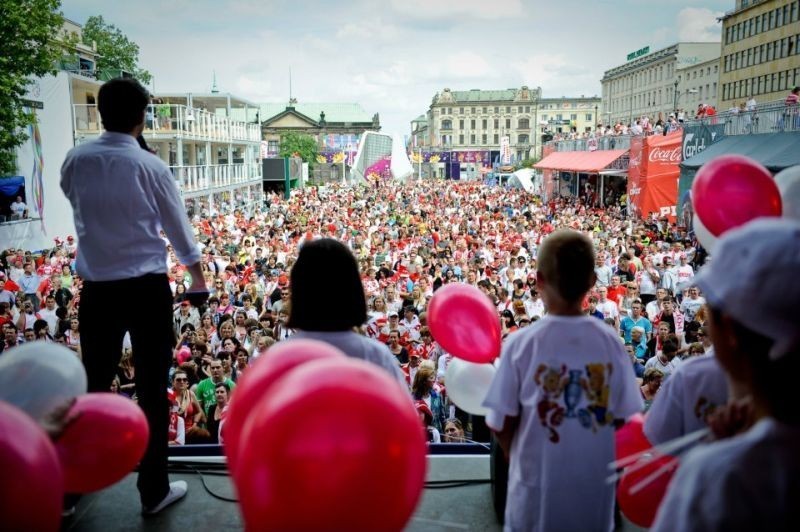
[[769, 117], [197, 178], [175, 121], [610, 142]]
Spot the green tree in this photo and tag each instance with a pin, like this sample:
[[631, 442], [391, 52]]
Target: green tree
[[28, 49], [298, 144], [527, 163], [117, 52]]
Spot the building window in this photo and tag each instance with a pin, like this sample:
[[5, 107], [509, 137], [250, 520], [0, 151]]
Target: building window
[[573, 117], [472, 139], [484, 110], [447, 124], [496, 138], [559, 117], [496, 110], [544, 117], [484, 138], [461, 124], [589, 117], [497, 123], [461, 110], [508, 123], [461, 139], [474, 110], [508, 108], [522, 139], [524, 123], [527, 108], [483, 124]]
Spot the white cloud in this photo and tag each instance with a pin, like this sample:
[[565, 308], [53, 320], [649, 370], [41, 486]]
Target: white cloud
[[698, 24], [480, 9]]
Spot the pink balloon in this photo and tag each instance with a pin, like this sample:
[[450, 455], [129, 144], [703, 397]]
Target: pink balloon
[[104, 443], [31, 494], [464, 322], [641, 507], [630, 438], [268, 369], [731, 190], [338, 446]]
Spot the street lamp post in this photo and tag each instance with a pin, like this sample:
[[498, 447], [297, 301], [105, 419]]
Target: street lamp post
[[675, 97], [596, 118]]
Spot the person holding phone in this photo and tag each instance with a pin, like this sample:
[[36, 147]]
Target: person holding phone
[[122, 198]]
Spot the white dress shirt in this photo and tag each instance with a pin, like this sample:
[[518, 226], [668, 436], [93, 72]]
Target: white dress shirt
[[122, 197]]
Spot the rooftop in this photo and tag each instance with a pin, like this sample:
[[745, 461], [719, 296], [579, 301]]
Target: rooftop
[[478, 95], [334, 112]]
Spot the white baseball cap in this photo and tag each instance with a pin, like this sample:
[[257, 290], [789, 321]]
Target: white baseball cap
[[754, 279]]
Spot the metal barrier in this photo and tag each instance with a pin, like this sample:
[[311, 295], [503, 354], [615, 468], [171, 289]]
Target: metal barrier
[[770, 117]]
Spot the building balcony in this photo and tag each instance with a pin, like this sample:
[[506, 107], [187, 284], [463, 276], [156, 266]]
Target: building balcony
[[205, 179], [171, 121]]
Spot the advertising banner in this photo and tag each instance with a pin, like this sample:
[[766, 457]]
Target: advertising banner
[[634, 176], [695, 140], [658, 175]]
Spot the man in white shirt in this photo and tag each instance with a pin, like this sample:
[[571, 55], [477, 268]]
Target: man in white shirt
[[48, 314], [18, 208], [606, 306], [692, 304], [122, 197]]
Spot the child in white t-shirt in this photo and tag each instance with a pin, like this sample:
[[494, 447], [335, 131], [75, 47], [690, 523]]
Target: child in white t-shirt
[[750, 481], [562, 387]]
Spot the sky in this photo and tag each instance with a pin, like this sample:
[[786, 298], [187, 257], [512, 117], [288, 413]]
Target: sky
[[393, 56]]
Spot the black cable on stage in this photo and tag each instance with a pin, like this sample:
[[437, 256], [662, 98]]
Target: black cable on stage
[[220, 470]]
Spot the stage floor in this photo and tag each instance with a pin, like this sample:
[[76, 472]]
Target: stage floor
[[117, 508]]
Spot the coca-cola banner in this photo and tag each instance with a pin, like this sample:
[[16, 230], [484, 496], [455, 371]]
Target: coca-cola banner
[[659, 174], [634, 176]]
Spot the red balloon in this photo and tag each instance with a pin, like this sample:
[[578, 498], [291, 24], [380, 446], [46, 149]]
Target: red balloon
[[732, 190], [104, 443], [641, 507], [31, 494], [254, 384], [464, 322], [338, 446], [630, 438]]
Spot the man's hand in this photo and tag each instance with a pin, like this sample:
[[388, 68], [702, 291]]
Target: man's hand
[[733, 418]]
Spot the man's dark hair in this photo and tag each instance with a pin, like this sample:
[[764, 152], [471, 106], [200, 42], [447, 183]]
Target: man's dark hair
[[121, 103], [669, 346], [318, 263]]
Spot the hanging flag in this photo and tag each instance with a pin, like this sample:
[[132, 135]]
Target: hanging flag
[[37, 181]]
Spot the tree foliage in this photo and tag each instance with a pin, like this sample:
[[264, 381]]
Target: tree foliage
[[117, 52], [297, 144], [28, 49]]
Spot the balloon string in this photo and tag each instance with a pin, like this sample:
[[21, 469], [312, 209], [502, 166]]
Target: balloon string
[[668, 447], [649, 479]]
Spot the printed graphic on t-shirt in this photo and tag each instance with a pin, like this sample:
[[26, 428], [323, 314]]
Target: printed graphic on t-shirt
[[563, 390], [704, 408]]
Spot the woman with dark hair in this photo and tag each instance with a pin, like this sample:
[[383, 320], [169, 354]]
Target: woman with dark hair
[[217, 411], [422, 390], [313, 293], [42, 330]]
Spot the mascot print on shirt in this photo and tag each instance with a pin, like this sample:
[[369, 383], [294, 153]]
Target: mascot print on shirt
[[563, 390]]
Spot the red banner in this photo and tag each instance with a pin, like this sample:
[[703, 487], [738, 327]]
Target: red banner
[[658, 175], [634, 176]]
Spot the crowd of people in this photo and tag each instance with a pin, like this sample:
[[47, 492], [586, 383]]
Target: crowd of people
[[409, 240]]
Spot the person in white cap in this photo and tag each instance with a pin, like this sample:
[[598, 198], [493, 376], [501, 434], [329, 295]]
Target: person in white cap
[[752, 480]]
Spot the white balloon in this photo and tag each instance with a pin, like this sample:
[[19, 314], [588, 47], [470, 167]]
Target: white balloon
[[37, 377], [468, 383], [704, 236], [788, 181]]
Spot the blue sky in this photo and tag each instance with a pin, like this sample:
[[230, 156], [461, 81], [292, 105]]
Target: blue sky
[[392, 56]]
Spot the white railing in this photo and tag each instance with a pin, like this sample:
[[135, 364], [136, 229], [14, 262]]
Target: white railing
[[176, 121], [194, 178]]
